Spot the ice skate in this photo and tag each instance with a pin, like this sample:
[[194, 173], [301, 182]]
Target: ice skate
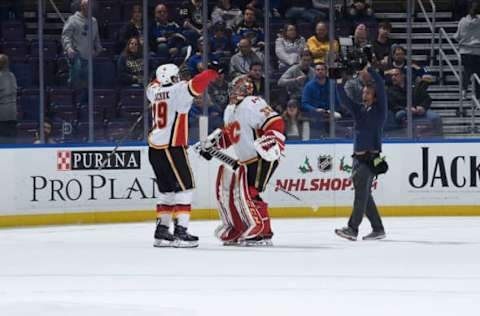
[[375, 235], [183, 239], [259, 241], [347, 233], [163, 238]]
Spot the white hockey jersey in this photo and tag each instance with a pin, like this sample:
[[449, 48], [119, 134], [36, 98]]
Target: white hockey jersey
[[247, 121], [170, 106]]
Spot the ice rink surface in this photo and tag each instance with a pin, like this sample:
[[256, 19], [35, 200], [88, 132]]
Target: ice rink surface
[[426, 266]]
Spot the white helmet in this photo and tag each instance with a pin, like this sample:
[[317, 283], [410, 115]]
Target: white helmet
[[167, 74]]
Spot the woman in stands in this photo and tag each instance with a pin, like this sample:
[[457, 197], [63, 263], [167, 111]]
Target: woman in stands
[[130, 64], [288, 47]]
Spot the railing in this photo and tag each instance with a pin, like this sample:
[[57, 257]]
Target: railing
[[475, 100], [458, 74], [431, 25]]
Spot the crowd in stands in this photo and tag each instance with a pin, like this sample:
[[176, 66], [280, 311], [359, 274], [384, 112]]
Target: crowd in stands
[[300, 56]]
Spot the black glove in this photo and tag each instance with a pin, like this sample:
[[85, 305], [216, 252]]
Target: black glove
[[205, 155], [217, 66]]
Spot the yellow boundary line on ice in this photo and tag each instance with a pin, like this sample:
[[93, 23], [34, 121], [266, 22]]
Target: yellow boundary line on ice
[[205, 214]]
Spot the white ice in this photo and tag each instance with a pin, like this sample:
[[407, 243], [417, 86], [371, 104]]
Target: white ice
[[426, 266]]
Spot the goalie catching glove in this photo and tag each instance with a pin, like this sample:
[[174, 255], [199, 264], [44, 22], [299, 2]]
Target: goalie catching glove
[[271, 145]]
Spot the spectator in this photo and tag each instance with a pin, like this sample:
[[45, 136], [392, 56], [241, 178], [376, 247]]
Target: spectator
[[249, 28], [289, 46], [256, 75], [468, 37], [360, 8], [241, 61], [421, 101], [319, 44], [303, 11], [195, 64], [165, 35], [316, 94], [191, 19], [47, 130], [133, 28], [296, 76], [8, 102], [218, 92], [354, 87], [382, 45], [360, 36], [399, 60], [130, 64], [220, 42], [225, 12], [75, 45], [293, 120], [323, 6]]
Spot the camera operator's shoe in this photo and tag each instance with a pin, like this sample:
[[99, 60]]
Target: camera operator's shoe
[[183, 239], [162, 237], [375, 235], [347, 233]]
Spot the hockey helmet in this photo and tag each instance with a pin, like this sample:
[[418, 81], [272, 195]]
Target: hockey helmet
[[240, 88], [167, 74]]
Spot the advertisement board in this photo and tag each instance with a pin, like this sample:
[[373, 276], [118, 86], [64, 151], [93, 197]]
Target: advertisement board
[[423, 179]]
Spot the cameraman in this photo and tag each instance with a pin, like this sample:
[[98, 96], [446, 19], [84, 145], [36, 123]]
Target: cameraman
[[369, 119]]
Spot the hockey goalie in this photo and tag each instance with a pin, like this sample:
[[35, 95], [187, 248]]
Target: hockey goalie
[[256, 133]]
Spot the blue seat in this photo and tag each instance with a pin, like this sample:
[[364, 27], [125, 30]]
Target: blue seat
[[13, 31], [23, 72], [50, 49], [15, 50], [103, 73], [109, 11]]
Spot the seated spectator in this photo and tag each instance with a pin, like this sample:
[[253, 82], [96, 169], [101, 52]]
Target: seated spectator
[[130, 64], [399, 60], [293, 119], [165, 35], [198, 109], [256, 75], [133, 28], [76, 46], [303, 11], [220, 42], [296, 76], [225, 12], [289, 46], [319, 44], [421, 101], [47, 130], [191, 19], [360, 36], [382, 45], [249, 28], [323, 6], [360, 8], [195, 63], [8, 103], [218, 92], [354, 87], [241, 61]]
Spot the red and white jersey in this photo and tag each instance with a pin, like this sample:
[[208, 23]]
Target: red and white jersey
[[170, 106], [247, 121]]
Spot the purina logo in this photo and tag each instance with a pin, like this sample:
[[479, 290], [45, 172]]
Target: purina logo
[[68, 160]]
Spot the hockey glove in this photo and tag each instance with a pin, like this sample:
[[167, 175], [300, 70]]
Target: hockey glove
[[271, 145]]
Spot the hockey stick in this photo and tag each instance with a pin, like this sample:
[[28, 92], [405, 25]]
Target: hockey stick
[[122, 140], [232, 163]]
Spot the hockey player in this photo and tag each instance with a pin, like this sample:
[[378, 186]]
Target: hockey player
[[256, 133], [171, 100]]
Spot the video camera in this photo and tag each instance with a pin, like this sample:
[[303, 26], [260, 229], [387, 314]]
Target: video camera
[[351, 59]]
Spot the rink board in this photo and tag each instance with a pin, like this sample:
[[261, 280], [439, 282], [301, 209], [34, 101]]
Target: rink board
[[63, 185]]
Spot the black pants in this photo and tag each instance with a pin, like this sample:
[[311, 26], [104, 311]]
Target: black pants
[[260, 172], [471, 65], [172, 169], [363, 204]]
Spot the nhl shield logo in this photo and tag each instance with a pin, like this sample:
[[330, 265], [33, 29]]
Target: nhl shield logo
[[324, 163]]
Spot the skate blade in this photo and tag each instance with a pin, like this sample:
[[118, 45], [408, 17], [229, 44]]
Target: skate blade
[[184, 244], [231, 243], [162, 243], [349, 237], [256, 243]]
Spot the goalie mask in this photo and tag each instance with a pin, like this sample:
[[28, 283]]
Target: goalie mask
[[167, 74], [240, 88]]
